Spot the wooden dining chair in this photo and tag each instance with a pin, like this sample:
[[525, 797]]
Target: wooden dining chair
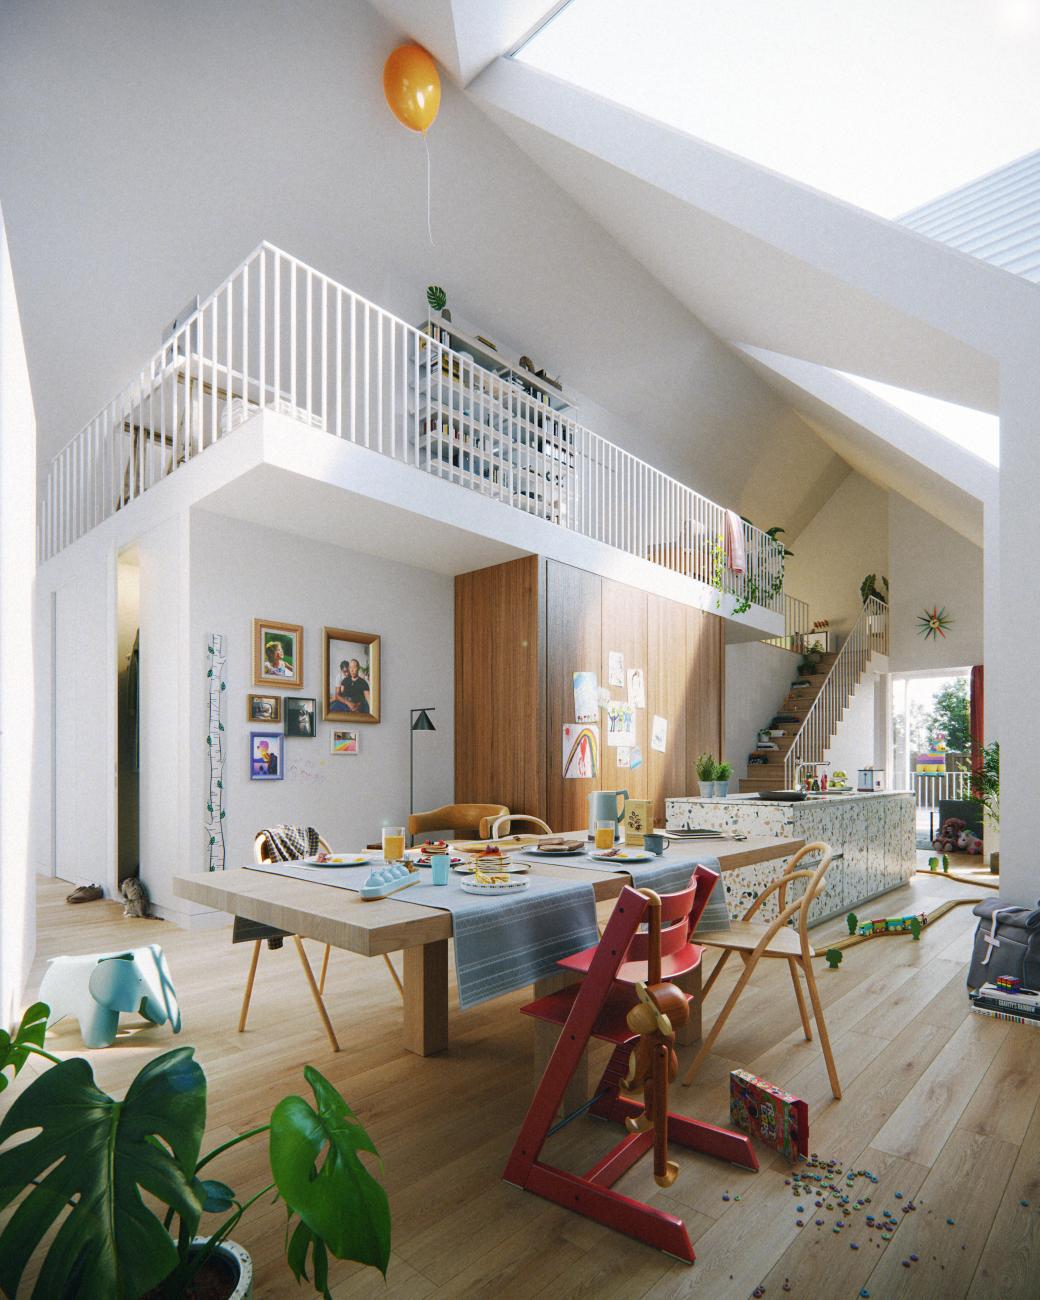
[[787, 938], [492, 827], [261, 933], [462, 819]]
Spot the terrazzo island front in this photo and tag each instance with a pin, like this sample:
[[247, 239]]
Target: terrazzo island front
[[874, 833]]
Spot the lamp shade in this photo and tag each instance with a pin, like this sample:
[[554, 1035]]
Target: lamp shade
[[423, 722]]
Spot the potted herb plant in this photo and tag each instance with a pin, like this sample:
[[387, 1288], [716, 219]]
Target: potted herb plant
[[723, 772], [82, 1159], [706, 776]]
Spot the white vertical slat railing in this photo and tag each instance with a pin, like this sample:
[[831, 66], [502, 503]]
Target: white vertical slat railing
[[278, 334]]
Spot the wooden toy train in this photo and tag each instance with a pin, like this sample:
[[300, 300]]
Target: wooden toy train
[[912, 923]]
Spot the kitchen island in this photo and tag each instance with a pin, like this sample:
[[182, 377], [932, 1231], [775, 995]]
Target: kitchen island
[[874, 833]]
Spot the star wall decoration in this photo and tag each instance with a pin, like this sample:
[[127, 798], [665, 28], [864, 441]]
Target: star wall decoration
[[933, 623]]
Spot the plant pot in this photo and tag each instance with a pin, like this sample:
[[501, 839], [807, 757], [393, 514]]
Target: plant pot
[[230, 1266], [721, 789], [707, 789]]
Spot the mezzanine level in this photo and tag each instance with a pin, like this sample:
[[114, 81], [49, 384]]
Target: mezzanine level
[[279, 337]]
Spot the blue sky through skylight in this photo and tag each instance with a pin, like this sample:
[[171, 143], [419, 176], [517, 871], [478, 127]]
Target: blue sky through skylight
[[884, 103]]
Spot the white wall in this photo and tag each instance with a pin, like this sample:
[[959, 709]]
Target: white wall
[[855, 742], [757, 679], [237, 575], [17, 567], [931, 565], [846, 540], [283, 133]]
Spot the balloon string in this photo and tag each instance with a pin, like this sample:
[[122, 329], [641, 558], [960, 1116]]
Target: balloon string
[[429, 226]]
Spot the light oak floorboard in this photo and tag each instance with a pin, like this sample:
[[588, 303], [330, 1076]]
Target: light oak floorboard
[[935, 1100]]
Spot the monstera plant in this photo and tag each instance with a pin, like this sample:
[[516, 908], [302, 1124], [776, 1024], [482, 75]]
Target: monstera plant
[[82, 1160]]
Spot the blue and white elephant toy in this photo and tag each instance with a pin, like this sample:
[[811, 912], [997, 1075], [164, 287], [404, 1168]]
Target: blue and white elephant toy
[[96, 988]]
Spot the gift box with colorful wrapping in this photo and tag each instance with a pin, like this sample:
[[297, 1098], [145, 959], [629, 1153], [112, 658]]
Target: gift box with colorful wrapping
[[768, 1113]]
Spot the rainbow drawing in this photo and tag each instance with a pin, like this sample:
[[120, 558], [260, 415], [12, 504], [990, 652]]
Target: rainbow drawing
[[580, 750]]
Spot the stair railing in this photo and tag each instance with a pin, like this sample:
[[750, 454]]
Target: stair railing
[[869, 636]]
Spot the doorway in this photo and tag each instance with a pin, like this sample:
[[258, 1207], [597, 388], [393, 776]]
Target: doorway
[[128, 694], [931, 741]]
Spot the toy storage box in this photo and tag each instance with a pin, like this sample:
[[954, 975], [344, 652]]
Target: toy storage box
[[766, 1112]]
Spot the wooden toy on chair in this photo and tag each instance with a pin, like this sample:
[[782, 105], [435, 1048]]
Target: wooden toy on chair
[[653, 1065], [639, 1017]]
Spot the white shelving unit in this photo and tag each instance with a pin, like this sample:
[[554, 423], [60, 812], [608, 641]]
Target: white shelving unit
[[482, 420]]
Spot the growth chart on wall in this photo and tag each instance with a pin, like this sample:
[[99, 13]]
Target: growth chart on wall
[[216, 686]]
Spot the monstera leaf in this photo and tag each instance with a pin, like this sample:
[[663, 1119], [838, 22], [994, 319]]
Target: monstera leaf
[[436, 297], [14, 1051], [89, 1159], [342, 1208]]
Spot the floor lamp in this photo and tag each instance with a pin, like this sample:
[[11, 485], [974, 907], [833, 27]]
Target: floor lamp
[[420, 721]]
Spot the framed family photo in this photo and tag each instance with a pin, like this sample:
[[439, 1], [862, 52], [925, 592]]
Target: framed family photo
[[351, 676], [266, 750], [301, 716], [344, 742], [264, 708], [277, 653]]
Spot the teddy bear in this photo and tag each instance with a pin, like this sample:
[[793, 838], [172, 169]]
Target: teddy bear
[[949, 835], [968, 842]]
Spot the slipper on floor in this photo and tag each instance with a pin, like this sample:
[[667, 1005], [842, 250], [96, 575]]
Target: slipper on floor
[[85, 894]]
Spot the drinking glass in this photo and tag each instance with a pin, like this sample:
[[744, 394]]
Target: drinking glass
[[393, 843], [441, 864], [605, 832]]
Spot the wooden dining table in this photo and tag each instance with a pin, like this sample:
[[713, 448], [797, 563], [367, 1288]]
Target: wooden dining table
[[421, 934]]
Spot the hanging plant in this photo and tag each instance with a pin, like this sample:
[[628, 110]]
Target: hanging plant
[[934, 623]]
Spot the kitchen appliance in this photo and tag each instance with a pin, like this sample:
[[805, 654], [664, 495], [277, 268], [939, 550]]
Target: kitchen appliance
[[869, 779], [605, 805]]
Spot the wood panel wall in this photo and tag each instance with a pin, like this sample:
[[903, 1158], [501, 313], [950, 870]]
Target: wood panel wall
[[522, 629], [500, 686], [573, 634]]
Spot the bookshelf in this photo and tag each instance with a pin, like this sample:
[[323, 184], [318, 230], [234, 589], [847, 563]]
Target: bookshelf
[[485, 421]]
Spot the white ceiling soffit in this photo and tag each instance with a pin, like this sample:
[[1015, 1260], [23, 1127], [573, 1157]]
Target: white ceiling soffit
[[764, 259], [464, 36], [883, 443]]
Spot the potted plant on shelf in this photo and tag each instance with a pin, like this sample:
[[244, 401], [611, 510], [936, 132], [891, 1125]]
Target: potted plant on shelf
[[706, 776], [91, 1156], [723, 772]]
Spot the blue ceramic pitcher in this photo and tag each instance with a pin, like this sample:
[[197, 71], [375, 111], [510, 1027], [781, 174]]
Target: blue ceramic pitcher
[[604, 805]]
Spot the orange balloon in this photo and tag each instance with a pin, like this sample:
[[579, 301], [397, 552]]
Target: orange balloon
[[412, 87]]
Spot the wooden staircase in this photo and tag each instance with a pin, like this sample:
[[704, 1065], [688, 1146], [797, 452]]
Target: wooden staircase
[[796, 704]]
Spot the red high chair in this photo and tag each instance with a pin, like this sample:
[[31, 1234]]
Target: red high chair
[[621, 971]]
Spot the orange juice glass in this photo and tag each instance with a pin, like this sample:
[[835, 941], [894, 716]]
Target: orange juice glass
[[605, 832], [393, 843]]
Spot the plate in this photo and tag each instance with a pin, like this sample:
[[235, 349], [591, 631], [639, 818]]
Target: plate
[[623, 855], [340, 860], [425, 862], [554, 853], [468, 868], [510, 887]]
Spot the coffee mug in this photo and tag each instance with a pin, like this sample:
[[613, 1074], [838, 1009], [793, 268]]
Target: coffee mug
[[655, 843], [441, 863]]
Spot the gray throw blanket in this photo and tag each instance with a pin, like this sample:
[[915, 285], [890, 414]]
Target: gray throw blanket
[[290, 843]]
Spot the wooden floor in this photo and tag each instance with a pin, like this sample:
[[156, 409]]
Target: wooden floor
[[939, 1104]]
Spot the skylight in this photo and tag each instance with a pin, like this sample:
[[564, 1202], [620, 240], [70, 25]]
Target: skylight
[[884, 103], [975, 431]]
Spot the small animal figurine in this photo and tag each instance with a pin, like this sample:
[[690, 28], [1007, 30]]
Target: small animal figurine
[[135, 897]]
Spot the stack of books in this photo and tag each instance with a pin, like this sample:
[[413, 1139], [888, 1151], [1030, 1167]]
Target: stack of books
[[1022, 1005]]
